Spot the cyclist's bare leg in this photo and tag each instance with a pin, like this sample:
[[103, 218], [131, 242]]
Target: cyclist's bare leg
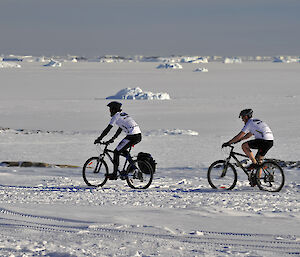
[[259, 159], [248, 152]]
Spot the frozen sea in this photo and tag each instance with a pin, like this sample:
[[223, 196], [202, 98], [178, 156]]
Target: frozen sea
[[53, 115]]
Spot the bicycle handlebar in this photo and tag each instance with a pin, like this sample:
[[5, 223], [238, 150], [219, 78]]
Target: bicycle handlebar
[[103, 143], [231, 145]]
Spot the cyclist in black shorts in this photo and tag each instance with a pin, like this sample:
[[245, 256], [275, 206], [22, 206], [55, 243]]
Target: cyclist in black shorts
[[125, 124], [263, 138]]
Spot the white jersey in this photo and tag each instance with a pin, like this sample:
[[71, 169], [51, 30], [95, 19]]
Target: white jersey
[[126, 123], [259, 129]]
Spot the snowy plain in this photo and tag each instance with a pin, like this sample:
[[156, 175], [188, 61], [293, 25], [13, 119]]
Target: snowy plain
[[53, 115]]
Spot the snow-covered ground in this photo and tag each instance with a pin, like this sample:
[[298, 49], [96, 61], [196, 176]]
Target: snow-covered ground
[[54, 115]]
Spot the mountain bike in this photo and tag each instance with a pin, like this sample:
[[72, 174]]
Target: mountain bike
[[222, 174], [137, 173]]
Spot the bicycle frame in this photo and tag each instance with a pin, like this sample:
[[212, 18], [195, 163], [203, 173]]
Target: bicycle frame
[[233, 155], [107, 152]]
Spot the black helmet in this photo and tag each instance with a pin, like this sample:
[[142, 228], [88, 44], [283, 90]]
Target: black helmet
[[115, 105], [246, 112]]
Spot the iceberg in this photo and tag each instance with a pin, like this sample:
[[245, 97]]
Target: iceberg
[[233, 60], [169, 66], [194, 60], [201, 70], [53, 63], [138, 94]]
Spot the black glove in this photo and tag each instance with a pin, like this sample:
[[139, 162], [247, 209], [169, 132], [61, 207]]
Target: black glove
[[97, 141], [225, 145]]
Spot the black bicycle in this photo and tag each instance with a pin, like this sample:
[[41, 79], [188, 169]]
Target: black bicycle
[[137, 173], [222, 174]]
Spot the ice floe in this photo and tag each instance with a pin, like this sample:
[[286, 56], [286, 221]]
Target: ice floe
[[138, 94]]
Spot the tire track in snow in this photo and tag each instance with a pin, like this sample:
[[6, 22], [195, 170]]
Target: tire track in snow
[[251, 241], [237, 243], [24, 215]]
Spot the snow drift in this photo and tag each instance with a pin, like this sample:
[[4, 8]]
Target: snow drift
[[138, 94]]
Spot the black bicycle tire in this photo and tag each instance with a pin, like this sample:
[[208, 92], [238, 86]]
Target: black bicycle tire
[[151, 174], [84, 172], [258, 179], [209, 174]]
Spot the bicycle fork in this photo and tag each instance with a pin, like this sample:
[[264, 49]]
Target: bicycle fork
[[99, 164], [223, 174]]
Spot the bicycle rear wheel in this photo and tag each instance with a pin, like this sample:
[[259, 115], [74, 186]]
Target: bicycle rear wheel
[[94, 172], [139, 174], [270, 177], [222, 176]]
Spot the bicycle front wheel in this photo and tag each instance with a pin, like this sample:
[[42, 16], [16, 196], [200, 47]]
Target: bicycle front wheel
[[94, 172], [222, 175], [270, 177], [139, 174]]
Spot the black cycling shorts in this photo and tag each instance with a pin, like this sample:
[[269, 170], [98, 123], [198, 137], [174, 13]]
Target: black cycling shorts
[[128, 141], [262, 145]]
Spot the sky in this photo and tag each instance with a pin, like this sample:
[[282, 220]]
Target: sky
[[150, 27]]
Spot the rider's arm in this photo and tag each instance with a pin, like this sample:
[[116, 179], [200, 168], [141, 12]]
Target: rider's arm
[[248, 135], [237, 138], [105, 132], [117, 134]]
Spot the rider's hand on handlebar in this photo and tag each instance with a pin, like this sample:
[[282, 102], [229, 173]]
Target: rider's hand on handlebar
[[110, 141], [97, 141], [225, 144]]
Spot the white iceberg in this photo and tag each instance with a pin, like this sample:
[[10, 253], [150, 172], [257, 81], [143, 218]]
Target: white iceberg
[[195, 59], [199, 60], [233, 60], [286, 59], [201, 70], [169, 66], [171, 132], [53, 63], [138, 94], [9, 65]]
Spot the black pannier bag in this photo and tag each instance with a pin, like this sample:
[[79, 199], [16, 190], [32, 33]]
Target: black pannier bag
[[148, 158]]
